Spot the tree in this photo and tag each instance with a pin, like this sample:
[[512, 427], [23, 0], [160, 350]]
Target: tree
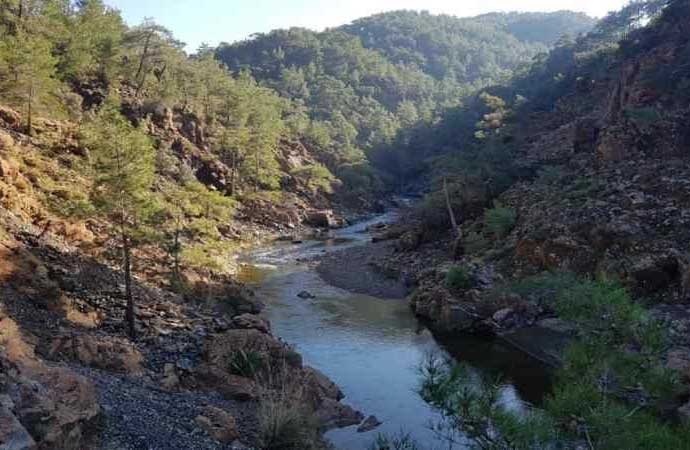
[[147, 48], [92, 42], [123, 164], [27, 70]]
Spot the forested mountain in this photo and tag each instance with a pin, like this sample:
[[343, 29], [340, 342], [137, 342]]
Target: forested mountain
[[364, 82]]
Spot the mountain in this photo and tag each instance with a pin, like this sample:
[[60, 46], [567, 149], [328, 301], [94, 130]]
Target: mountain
[[364, 82]]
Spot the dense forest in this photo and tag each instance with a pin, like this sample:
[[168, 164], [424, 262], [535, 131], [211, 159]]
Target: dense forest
[[365, 83]]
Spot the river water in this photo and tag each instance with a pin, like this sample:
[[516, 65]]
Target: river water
[[372, 347]]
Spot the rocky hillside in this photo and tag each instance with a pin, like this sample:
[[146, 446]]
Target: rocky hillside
[[603, 185]]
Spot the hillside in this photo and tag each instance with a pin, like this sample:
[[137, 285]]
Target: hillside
[[571, 189], [363, 83]]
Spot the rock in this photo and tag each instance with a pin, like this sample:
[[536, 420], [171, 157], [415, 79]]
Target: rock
[[238, 445], [323, 219], [306, 295], [370, 423], [684, 413], [652, 273], [238, 388], [58, 408], [558, 326], [333, 414], [252, 322], [503, 315], [13, 436], [106, 353], [8, 170], [410, 241], [219, 424], [170, 380], [324, 386], [678, 359]]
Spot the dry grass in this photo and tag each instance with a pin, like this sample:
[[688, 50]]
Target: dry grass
[[285, 420]]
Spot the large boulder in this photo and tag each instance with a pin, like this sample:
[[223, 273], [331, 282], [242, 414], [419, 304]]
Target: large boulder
[[324, 218], [13, 436], [251, 322], [218, 424], [280, 365], [57, 407], [107, 353]]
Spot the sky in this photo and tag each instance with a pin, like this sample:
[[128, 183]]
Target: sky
[[215, 21]]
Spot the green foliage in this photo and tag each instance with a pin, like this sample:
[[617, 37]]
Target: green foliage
[[473, 407], [123, 167], [645, 115], [459, 278], [246, 363], [400, 442], [27, 70], [474, 242], [368, 86], [317, 178], [607, 391], [499, 220]]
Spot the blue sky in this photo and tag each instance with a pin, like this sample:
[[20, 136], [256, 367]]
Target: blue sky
[[214, 21]]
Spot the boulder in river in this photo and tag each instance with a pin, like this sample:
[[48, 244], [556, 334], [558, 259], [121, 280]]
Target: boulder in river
[[306, 295], [370, 423]]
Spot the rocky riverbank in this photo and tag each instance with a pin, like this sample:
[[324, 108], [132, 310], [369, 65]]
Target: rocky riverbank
[[200, 375]]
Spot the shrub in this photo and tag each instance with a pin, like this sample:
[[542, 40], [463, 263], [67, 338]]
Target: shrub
[[499, 220], [607, 390], [475, 242], [285, 422], [246, 363], [401, 442], [458, 278]]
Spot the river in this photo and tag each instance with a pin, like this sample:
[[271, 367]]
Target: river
[[372, 347]]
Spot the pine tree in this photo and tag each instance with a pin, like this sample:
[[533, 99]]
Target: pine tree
[[27, 70], [123, 162]]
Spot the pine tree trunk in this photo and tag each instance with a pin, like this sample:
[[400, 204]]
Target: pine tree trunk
[[176, 255], [233, 171], [451, 213], [256, 173], [140, 77], [131, 328], [29, 116]]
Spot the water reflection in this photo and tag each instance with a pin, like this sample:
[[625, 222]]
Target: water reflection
[[371, 347]]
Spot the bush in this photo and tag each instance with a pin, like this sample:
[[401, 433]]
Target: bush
[[401, 442], [499, 220], [246, 363], [609, 392], [458, 278], [285, 422], [474, 242]]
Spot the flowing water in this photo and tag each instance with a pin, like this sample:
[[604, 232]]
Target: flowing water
[[371, 347]]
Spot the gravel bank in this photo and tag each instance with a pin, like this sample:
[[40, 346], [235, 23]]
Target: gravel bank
[[138, 416], [354, 269]]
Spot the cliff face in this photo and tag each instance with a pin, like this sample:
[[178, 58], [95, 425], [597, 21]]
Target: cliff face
[[619, 198]]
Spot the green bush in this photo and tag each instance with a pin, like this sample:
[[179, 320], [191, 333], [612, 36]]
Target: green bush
[[458, 278], [246, 363], [475, 242], [499, 220], [401, 442], [609, 392]]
